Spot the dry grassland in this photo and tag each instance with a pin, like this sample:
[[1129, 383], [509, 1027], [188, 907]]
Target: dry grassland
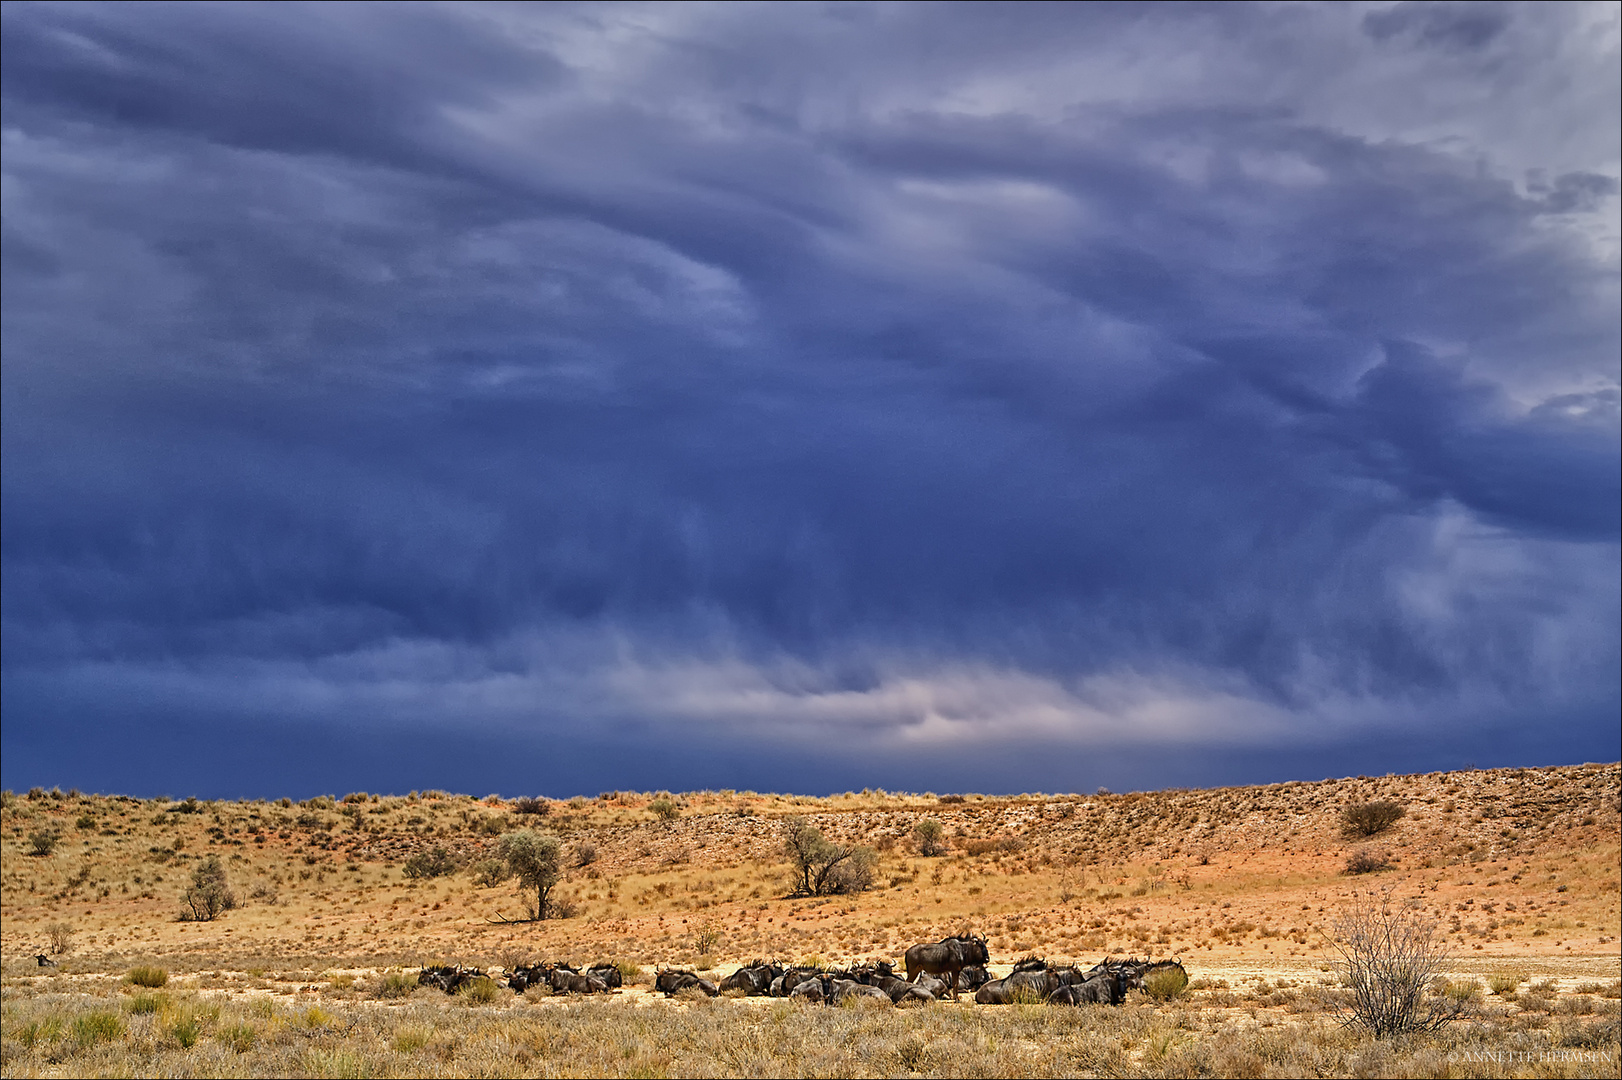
[[1521, 867]]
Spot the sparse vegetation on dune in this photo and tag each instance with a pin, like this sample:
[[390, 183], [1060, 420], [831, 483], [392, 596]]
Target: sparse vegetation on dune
[[1516, 870]]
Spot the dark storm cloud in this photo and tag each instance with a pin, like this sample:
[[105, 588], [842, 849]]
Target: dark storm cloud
[[820, 392]]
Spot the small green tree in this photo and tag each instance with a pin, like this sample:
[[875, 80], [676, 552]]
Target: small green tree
[[929, 836], [209, 893], [822, 868], [536, 860]]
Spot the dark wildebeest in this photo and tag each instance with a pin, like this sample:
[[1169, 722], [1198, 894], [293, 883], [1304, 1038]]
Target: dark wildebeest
[[1031, 980], [448, 978], [882, 975], [754, 979], [973, 977], [813, 988], [673, 980], [784, 984], [841, 990], [44, 961], [608, 973], [1141, 970], [1104, 988], [947, 957], [565, 980], [524, 976]]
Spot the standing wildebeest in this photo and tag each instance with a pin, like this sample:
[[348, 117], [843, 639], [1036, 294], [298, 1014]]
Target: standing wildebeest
[[947, 957]]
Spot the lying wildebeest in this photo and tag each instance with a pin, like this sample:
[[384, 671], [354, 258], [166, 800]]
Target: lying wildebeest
[[784, 984], [44, 961], [883, 976], [1104, 988], [813, 988], [565, 980], [1141, 970], [673, 980], [972, 977], [947, 957], [1029, 985], [608, 973], [1133, 972], [524, 976], [449, 978], [842, 990], [754, 979], [1032, 979]]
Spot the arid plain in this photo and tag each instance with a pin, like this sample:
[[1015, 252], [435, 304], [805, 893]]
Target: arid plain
[[1518, 869]]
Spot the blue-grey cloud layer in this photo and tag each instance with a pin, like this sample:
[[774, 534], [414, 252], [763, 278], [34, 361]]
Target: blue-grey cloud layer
[[783, 395]]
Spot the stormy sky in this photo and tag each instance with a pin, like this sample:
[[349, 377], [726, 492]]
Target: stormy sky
[[557, 398]]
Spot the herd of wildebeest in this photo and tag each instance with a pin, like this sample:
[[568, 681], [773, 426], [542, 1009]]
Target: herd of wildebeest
[[943, 969]]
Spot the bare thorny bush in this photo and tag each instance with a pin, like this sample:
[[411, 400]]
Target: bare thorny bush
[[1390, 952]]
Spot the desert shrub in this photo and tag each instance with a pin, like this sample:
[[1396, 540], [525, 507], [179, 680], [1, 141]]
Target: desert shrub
[[479, 991], [493, 826], [577, 802], [96, 1027], [209, 893], [42, 841], [1167, 984], [60, 935], [1389, 955], [949, 798], [147, 976], [488, 873], [184, 1030], [238, 1037], [430, 864], [855, 874], [145, 1004], [264, 892], [394, 985], [1367, 860], [664, 809], [995, 844], [1503, 984], [531, 805], [585, 853], [1370, 818], [929, 836]]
